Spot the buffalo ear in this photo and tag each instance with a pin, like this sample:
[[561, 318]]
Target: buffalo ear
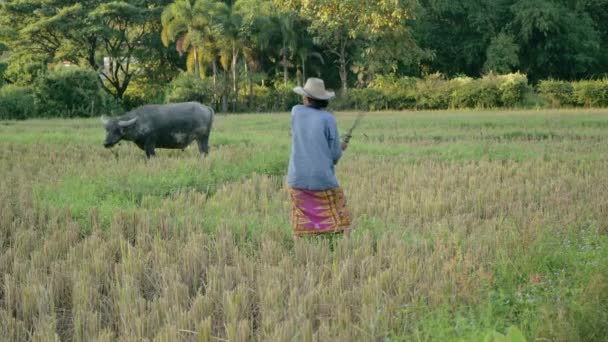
[[128, 123], [104, 120]]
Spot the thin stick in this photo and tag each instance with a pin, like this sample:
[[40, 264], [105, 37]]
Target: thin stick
[[349, 133]]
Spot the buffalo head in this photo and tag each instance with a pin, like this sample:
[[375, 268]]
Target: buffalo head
[[115, 129]]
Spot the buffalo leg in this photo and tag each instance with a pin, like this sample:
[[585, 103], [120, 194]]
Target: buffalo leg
[[203, 144], [150, 149]]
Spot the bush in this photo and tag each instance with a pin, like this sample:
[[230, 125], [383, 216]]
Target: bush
[[433, 92], [16, 103], [513, 89], [3, 67], [488, 92], [187, 87], [140, 93], [591, 93], [24, 68], [465, 93], [282, 98], [70, 92], [267, 99], [557, 93], [286, 97], [359, 99], [397, 93]]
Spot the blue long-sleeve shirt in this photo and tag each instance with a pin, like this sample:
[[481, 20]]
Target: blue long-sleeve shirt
[[315, 149]]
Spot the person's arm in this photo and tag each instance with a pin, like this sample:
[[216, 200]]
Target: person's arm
[[292, 121], [334, 140]]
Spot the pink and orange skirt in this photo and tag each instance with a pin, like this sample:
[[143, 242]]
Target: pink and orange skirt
[[318, 212]]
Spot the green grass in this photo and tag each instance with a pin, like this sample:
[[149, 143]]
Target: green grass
[[471, 225]]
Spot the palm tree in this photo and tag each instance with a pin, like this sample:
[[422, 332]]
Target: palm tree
[[239, 33], [305, 50], [256, 30], [189, 23], [286, 24], [229, 46], [304, 53]]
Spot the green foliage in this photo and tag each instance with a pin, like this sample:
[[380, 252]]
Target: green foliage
[[486, 92], [139, 46], [3, 67], [433, 92], [557, 93], [558, 39], [141, 93], [16, 102], [591, 93], [188, 87], [192, 25], [285, 96], [263, 99], [23, 69], [70, 92], [396, 91], [84, 33], [489, 92], [502, 54], [359, 99], [513, 89], [281, 98], [465, 94], [513, 335]]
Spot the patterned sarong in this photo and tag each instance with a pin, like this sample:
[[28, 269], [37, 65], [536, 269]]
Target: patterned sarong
[[318, 212]]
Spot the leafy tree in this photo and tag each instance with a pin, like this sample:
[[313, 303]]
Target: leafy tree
[[231, 42], [341, 26], [458, 33], [256, 31], [84, 33], [502, 54], [70, 92], [23, 68], [120, 29], [334, 25], [558, 39], [286, 22], [598, 11]]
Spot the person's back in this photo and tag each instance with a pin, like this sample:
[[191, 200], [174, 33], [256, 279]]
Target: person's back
[[315, 149], [318, 203]]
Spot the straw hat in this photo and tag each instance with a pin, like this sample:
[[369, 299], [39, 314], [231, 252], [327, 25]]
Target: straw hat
[[315, 89]]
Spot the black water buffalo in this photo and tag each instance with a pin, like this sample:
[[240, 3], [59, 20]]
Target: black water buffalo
[[164, 126]]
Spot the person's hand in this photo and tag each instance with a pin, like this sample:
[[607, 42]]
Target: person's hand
[[344, 146]]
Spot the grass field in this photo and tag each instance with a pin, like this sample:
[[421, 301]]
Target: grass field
[[468, 223]]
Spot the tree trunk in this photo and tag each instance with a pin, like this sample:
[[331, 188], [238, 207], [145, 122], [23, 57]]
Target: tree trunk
[[303, 69], [197, 70], [225, 94], [285, 76], [235, 87], [250, 81], [214, 75], [343, 74]]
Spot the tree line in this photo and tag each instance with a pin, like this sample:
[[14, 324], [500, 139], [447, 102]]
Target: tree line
[[138, 47]]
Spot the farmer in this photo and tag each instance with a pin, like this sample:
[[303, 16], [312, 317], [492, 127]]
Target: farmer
[[318, 203]]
